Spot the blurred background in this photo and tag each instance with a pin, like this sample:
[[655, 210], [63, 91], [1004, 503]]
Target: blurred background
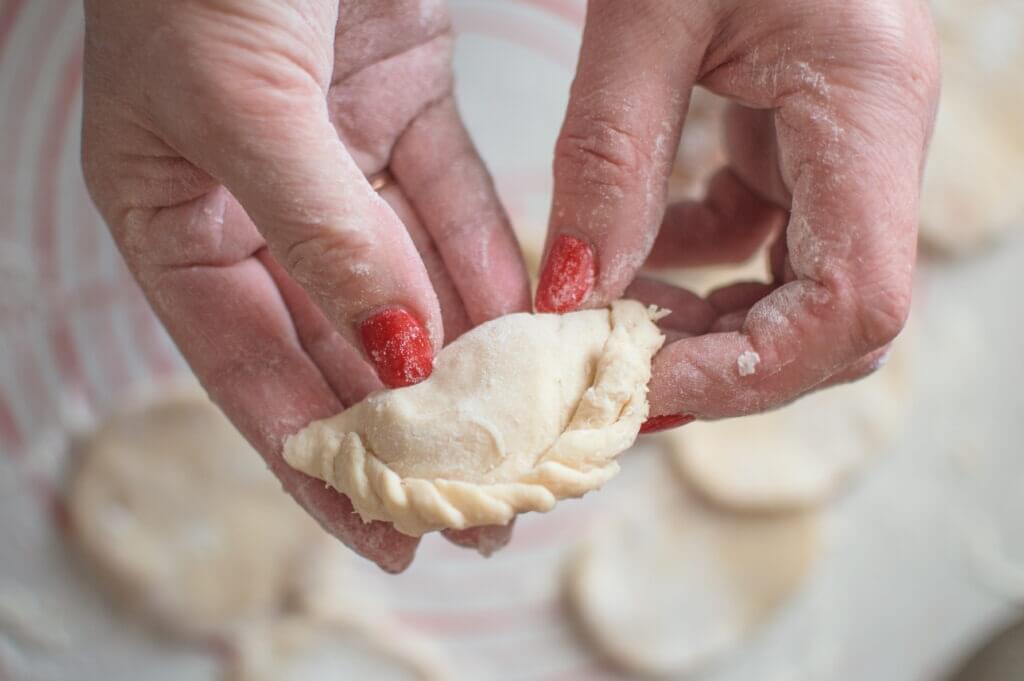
[[874, 532]]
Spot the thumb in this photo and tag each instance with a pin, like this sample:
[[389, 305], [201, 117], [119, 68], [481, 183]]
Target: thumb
[[637, 67], [276, 151]]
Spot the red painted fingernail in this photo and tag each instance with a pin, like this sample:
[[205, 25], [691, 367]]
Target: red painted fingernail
[[398, 346], [656, 423], [568, 276]]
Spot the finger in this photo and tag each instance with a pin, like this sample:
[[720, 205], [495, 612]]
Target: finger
[[453, 311], [862, 368], [730, 321], [444, 179], [727, 227], [346, 371], [637, 67], [278, 153], [690, 314], [486, 540], [231, 323], [732, 304], [739, 296], [342, 366]]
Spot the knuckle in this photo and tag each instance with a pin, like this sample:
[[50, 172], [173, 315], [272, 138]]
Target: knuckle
[[596, 151], [233, 78], [903, 41], [316, 254]]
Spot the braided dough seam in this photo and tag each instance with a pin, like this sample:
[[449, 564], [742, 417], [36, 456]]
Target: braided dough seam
[[605, 422]]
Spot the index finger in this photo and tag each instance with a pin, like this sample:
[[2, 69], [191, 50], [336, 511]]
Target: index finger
[[637, 65]]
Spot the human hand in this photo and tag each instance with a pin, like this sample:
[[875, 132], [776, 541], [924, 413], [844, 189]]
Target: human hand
[[228, 144], [833, 104]]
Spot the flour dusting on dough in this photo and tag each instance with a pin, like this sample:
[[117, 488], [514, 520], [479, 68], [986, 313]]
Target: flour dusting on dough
[[520, 412]]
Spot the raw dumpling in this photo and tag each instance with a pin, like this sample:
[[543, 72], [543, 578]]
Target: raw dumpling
[[520, 412], [666, 585]]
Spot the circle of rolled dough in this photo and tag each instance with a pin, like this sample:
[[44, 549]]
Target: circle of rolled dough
[[304, 648], [797, 456], [972, 182], [180, 515], [668, 585]]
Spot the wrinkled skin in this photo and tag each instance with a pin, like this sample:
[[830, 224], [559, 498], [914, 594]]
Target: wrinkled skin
[[227, 142], [833, 107]]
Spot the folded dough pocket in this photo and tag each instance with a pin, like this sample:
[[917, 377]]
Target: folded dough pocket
[[520, 412]]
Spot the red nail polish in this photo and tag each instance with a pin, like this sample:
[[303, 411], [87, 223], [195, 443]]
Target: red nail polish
[[568, 276], [399, 347], [656, 423]]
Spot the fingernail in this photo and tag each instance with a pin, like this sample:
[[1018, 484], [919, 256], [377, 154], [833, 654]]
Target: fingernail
[[656, 423], [399, 347], [568, 275]]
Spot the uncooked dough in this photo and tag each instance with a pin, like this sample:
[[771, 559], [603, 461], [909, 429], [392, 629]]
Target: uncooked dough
[[306, 648], [175, 509], [799, 455], [520, 412], [972, 185], [665, 585]]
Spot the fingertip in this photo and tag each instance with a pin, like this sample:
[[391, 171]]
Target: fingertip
[[568, 277], [398, 346], [486, 540], [397, 563]]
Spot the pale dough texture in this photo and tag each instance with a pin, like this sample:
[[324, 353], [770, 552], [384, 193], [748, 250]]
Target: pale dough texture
[[972, 184], [182, 517], [665, 585], [797, 456], [520, 412], [304, 648], [173, 508]]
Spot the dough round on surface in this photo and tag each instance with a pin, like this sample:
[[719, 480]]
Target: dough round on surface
[[972, 181], [303, 648], [520, 412], [182, 517], [666, 585], [799, 455]]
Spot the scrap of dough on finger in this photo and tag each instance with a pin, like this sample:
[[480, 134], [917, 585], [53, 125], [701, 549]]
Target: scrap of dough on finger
[[302, 647], [666, 585], [172, 507], [519, 413], [797, 456]]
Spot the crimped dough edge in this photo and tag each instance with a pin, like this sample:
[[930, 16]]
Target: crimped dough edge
[[605, 423]]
